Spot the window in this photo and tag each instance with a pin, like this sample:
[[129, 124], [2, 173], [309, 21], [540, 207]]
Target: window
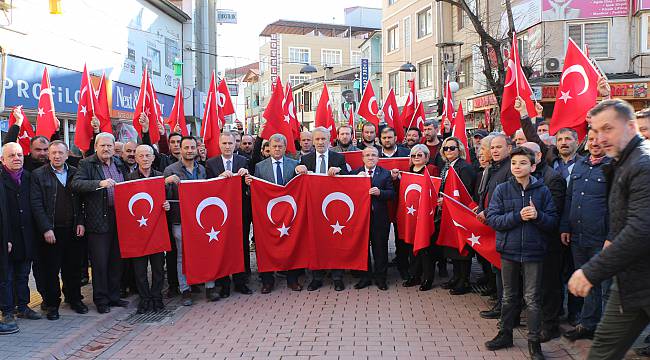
[[425, 74], [355, 58], [391, 2], [264, 64], [331, 57], [594, 35], [296, 79], [299, 55], [522, 45], [424, 23], [645, 33], [393, 82], [466, 77], [392, 37]]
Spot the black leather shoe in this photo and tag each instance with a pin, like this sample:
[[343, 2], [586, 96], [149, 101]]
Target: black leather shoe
[[79, 307], [212, 295], [548, 335], [119, 303], [449, 284], [381, 285], [461, 290], [224, 292], [493, 313], [411, 282], [314, 285], [338, 285], [362, 284], [535, 350], [295, 286], [103, 309], [580, 332], [267, 288], [29, 314], [426, 285], [501, 341], [243, 289], [52, 313]]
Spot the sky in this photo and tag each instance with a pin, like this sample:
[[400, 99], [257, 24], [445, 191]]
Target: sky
[[242, 39]]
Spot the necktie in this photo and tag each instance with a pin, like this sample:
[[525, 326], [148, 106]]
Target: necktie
[[278, 173], [370, 173], [229, 165], [322, 164]]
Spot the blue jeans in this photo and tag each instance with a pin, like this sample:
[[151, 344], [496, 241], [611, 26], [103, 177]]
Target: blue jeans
[[512, 272], [16, 282], [592, 308], [182, 280]]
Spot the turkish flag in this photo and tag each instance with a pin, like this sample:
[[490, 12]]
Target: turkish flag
[[458, 130], [339, 218], [515, 76], [289, 109], [368, 108], [280, 225], [26, 131], [408, 111], [84, 131], [447, 105], [145, 106], [277, 122], [210, 125], [399, 163], [425, 226], [211, 214], [101, 106], [455, 188], [391, 116], [157, 118], [410, 188], [436, 182], [46, 122], [418, 119], [577, 92], [177, 116], [324, 115], [459, 224], [224, 102], [354, 159], [142, 223]]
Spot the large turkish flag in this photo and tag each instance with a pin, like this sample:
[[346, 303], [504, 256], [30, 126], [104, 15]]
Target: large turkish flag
[[280, 225], [339, 221], [410, 187], [142, 224], [211, 214]]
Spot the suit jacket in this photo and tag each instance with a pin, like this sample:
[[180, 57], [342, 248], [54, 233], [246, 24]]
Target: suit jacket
[[384, 182], [215, 166], [334, 159], [400, 152], [4, 233], [44, 194], [19, 216], [265, 169]]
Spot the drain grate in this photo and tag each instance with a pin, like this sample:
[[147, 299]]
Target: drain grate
[[149, 318]]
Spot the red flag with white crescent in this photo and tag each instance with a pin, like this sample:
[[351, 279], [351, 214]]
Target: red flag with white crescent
[[324, 116], [46, 122], [210, 129], [368, 108], [26, 131], [84, 131]]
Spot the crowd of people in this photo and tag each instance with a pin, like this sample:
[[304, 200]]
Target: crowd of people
[[557, 204]]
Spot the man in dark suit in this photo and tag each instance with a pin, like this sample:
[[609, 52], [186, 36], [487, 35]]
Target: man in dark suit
[[323, 161], [226, 165], [389, 147], [381, 191], [278, 169]]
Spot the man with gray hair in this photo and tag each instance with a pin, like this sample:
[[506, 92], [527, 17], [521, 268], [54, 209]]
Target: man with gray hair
[[95, 180], [323, 161]]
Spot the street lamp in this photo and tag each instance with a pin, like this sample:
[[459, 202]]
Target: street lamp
[[407, 67], [308, 69]]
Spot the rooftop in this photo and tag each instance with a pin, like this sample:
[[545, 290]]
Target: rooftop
[[241, 71], [307, 28]]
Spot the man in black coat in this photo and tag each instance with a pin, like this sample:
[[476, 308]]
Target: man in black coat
[[229, 164], [14, 288], [381, 191], [625, 253], [95, 180], [59, 220], [323, 161], [11, 327]]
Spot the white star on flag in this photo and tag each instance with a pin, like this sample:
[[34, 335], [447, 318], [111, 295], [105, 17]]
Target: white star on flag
[[337, 228], [142, 221], [41, 112], [565, 96], [284, 230], [456, 193], [411, 210], [474, 239], [287, 118], [213, 235], [83, 110]]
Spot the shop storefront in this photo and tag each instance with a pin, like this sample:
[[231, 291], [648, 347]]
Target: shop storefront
[[635, 92], [485, 112]]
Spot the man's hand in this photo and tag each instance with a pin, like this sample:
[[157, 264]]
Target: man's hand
[[81, 230], [607, 244], [374, 191], [177, 128], [394, 173], [57, 123], [481, 217], [18, 115], [301, 169], [520, 105], [166, 206], [226, 174], [161, 128], [529, 212], [604, 89], [95, 124], [566, 238], [579, 285], [49, 237], [107, 183], [539, 108], [144, 122], [248, 179], [242, 172], [333, 171], [172, 179]]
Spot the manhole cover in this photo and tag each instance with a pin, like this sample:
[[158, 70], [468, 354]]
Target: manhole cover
[[153, 317]]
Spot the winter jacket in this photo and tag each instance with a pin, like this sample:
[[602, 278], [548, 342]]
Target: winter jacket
[[627, 256], [44, 194], [19, 216], [585, 214], [498, 172], [557, 186], [518, 240]]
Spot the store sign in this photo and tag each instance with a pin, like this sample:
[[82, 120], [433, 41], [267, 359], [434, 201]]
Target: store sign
[[226, 16], [233, 89], [365, 74], [553, 10], [484, 101], [274, 59], [125, 99], [620, 90]]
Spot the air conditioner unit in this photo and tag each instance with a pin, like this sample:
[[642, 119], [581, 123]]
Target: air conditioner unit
[[552, 65], [448, 58]]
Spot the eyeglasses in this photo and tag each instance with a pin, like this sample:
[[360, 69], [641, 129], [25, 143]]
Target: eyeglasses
[[449, 148], [418, 155]]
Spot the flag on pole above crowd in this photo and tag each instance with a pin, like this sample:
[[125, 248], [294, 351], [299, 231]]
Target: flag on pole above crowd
[[46, 122], [392, 117], [277, 121], [410, 106], [210, 125], [368, 108], [324, 116], [289, 109], [177, 116], [101, 109], [516, 84], [225, 103], [25, 131], [85, 110], [458, 130]]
